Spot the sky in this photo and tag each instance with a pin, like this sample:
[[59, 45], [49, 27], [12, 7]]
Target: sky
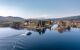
[[40, 8]]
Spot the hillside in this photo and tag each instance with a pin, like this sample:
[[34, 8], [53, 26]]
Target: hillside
[[67, 18], [11, 18]]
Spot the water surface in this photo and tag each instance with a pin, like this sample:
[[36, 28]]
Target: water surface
[[46, 39]]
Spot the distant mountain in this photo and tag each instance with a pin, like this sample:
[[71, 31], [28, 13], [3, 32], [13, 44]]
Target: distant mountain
[[72, 18], [11, 18], [67, 18]]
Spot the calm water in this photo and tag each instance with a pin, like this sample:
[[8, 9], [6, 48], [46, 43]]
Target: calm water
[[46, 39]]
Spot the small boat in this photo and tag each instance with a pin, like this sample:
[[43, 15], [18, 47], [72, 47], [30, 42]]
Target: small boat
[[26, 33], [29, 33]]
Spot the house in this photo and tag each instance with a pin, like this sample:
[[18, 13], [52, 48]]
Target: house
[[37, 23]]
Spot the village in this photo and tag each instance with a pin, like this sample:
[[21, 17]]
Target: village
[[40, 24]]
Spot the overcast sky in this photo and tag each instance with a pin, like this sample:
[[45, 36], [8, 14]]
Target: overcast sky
[[40, 8]]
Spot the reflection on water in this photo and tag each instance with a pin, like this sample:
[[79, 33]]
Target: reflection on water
[[61, 29], [30, 39], [39, 30]]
